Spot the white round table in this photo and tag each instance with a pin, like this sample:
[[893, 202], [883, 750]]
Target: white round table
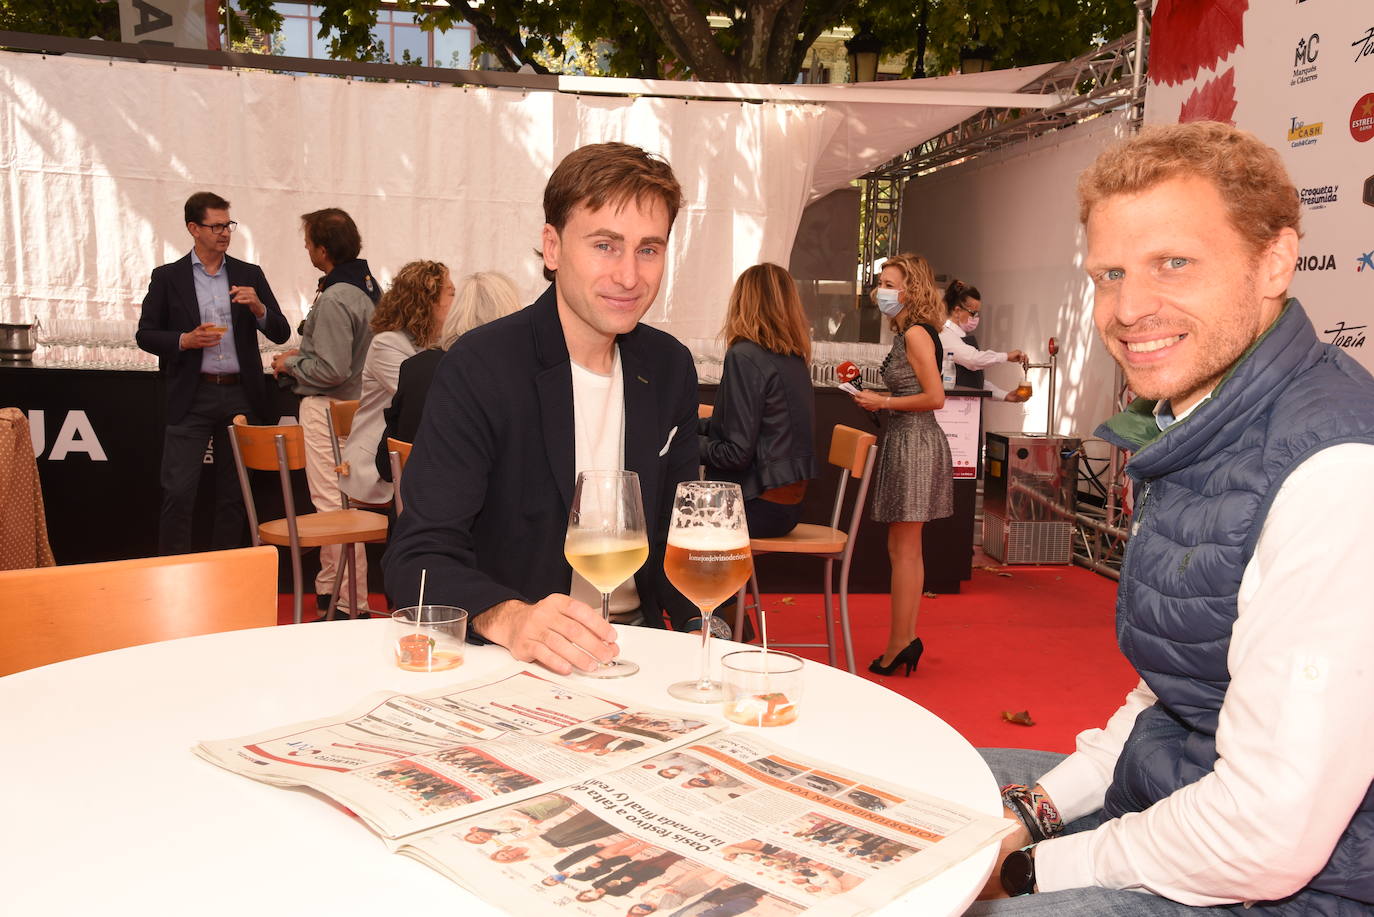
[[105, 810]]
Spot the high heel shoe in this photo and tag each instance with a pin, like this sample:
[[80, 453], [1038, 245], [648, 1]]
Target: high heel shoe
[[910, 656]]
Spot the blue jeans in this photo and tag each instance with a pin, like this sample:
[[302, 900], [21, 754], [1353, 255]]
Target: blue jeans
[[1019, 765]]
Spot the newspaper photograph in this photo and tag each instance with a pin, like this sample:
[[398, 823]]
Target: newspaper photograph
[[405, 763], [727, 825]]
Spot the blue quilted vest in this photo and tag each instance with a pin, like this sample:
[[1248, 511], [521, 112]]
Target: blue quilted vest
[[1203, 488]]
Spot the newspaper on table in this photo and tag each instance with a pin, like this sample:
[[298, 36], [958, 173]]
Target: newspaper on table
[[533, 794]]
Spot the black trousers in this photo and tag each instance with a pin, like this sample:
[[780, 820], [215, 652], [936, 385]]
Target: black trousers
[[183, 455]]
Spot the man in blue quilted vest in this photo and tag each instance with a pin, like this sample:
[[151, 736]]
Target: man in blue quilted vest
[[1237, 774]]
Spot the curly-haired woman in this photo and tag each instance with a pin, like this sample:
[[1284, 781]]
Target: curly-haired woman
[[407, 320]]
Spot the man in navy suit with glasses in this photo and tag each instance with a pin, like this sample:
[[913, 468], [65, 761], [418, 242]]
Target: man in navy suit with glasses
[[202, 316]]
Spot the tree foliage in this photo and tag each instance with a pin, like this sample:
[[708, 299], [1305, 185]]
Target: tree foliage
[[760, 41]]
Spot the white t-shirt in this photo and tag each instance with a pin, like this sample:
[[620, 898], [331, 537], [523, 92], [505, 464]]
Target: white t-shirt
[[599, 439]]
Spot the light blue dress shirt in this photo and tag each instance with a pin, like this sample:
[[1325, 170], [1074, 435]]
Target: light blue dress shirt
[[212, 293]]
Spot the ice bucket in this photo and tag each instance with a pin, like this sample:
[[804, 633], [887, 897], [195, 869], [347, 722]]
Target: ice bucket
[[16, 342]]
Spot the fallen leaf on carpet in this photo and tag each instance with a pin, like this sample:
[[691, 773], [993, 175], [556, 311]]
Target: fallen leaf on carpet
[[1020, 719], [1007, 575], [930, 595], [787, 600]]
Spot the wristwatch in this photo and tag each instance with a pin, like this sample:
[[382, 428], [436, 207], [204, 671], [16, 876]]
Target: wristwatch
[[1018, 871]]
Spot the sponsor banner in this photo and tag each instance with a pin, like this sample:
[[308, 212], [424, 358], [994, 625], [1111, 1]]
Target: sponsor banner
[[180, 23], [1300, 76]]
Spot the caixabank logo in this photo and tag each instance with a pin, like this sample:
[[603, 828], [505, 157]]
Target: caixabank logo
[[1362, 118], [1300, 133], [1319, 198], [1365, 263], [1305, 59]]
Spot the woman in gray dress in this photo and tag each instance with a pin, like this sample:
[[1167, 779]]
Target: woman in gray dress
[[915, 474]]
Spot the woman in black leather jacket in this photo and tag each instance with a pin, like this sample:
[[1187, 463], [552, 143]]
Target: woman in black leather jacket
[[761, 433]]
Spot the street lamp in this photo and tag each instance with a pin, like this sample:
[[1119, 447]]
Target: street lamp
[[864, 50], [975, 60]]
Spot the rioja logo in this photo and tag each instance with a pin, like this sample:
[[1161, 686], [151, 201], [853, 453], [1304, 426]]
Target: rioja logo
[[76, 435], [1317, 263], [1346, 336]]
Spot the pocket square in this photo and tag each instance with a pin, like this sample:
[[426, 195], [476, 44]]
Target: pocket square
[[664, 451]]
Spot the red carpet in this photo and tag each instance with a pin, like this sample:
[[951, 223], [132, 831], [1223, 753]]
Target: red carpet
[[1039, 639]]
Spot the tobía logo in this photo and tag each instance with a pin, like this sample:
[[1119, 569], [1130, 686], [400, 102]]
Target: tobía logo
[[1318, 198], [1346, 336], [1302, 134], [1305, 60], [1317, 263], [1365, 44], [1362, 118]]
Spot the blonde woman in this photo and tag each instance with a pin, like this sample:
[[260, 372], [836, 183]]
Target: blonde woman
[[408, 319], [914, 482], [481, 297]]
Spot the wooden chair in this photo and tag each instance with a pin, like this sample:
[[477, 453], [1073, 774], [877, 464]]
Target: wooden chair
[[853, 452], [341, 427], [50, 614], [282, 449], [399, 450]]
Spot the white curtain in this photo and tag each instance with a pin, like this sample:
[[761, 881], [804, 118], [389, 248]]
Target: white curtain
[[97, 159]]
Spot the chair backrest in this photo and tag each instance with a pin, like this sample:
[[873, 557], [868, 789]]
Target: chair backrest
[[280, 448], [849, 448], [55, 613], [341, 416], [853, 452], [257, 445], [399, 450]]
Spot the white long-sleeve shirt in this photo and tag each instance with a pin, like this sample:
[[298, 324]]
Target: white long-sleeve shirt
[[970, 357], [1295, 736]]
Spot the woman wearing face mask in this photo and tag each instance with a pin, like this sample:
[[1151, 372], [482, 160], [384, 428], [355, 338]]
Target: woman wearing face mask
[[964, 304], [915, 473]]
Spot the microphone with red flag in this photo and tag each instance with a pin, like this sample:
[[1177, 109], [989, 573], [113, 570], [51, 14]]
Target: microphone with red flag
[[851, 381]]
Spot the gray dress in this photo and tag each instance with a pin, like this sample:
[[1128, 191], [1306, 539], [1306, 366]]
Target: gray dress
[[915, 479]]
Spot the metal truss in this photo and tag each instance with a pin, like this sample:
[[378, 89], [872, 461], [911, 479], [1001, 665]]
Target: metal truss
[[1104, 80], [880, 220]]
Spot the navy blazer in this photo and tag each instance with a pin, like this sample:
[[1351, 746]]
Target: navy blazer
[[489, 483], [170, 308]]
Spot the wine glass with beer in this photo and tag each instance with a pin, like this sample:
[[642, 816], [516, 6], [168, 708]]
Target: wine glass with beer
[[607, 542], [708, 560]]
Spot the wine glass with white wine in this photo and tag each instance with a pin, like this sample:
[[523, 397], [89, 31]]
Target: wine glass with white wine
[[708, 559], [607, 542]]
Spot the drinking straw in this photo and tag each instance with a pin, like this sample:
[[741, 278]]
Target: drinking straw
[[419, 614]]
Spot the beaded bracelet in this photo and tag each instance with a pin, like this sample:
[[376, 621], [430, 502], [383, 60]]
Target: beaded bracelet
[[1034, 810]]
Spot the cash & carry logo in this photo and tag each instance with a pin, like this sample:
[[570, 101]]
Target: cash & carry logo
[[1362, 118], [1317, 263], [1369, 190], [1305, 60], [1318, 198], [1303, 134]]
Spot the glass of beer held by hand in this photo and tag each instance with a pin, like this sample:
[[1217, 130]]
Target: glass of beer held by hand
[[607, 542], [708, 560]]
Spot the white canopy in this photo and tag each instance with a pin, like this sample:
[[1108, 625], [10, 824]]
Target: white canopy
[[100, 156]]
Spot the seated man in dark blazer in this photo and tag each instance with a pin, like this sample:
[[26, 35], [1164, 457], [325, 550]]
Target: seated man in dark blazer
[[201, 317], [488, 486]]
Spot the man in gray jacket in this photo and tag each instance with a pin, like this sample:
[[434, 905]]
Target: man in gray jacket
[[328, 367]]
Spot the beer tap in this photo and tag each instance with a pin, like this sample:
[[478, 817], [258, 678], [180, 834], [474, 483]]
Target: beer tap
[[1052, 365]]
